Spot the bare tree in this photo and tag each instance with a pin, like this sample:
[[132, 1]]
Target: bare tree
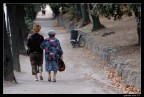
[[85, 15], [96, 22]]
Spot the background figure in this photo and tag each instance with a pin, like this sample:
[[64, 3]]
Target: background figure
[[36, 53], [51, 46], [43, 11]]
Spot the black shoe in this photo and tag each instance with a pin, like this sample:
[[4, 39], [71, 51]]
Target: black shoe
[[49, 79], [54, 80], [41, 78]]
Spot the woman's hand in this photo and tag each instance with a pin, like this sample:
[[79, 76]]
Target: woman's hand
[[61, 56]]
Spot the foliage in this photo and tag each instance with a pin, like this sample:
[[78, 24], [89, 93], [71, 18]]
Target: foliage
[[137, 9], [31, 11], [65, 7], [116, 10], [73, 10], [108, 10], [55, 8], [55, 5], [28, 23]]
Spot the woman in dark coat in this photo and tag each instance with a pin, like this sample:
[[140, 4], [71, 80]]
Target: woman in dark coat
[[36, 53]]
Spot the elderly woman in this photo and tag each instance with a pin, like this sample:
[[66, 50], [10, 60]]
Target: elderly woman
[[51, 46]]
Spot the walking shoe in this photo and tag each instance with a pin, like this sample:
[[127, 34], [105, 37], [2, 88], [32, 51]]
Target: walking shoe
[[54, 80], [36, 79], [41, 78], [49, 79]]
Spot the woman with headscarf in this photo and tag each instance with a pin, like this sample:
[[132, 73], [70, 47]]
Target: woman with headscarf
[[51, 46]]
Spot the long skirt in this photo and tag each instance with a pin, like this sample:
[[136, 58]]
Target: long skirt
[[51, 66]]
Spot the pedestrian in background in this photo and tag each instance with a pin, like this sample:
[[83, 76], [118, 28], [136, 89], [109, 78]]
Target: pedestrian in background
[[43, 11]]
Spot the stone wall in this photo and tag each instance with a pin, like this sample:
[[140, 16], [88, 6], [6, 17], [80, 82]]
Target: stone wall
[[130, 75]]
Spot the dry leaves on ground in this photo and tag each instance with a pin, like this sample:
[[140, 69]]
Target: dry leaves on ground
[[117, 80], [87, 76], [130, 89]]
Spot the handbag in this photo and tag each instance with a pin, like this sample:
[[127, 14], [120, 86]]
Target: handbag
[[61, 65]]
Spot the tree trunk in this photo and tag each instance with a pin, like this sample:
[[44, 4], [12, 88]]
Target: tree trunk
[[22, 31], [8, 62], [139, 35], [89, 12], [78, 10], [96, 22], [138, 18], [14, 35], [85, 15], [23, 25]]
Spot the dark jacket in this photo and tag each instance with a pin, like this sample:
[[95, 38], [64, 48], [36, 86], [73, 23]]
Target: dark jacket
[[34, 42]]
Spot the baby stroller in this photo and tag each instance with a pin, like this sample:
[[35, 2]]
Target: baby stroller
[[75, 38]]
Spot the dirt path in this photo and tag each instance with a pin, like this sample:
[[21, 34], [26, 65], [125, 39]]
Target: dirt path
[[82, 74]]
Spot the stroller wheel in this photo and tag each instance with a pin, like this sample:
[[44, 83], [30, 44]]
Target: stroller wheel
[[73, 45], [82, 42]]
